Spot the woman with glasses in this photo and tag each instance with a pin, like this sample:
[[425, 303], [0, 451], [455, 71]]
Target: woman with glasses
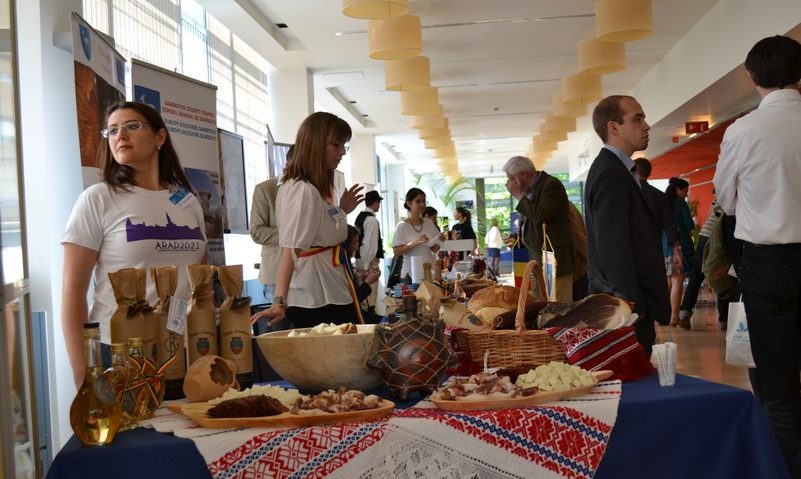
[[415, 237], [312, 284], [143, 214]]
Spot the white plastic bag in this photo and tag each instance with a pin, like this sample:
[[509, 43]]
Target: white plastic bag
[[738, 342]]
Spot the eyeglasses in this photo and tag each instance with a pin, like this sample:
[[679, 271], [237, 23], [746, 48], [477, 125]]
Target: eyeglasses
[[340, 145], [129, 127]]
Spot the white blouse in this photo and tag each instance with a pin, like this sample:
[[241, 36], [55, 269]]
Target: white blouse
[[405, 233], [306, 220]]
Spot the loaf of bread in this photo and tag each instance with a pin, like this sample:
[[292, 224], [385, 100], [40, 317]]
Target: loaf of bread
[[498, 297]]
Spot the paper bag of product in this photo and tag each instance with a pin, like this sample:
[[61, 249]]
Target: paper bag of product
[[235, 337], [429, 294], [455, 314], [201, 325], [127, 321], [150, 320], [171, 316]]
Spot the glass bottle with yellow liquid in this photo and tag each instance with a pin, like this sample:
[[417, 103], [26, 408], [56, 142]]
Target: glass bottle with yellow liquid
[[121, 376], [95, 414], [145, 399]]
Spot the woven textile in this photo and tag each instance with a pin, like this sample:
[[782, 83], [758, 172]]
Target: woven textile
[[561, 439], [599, 349]]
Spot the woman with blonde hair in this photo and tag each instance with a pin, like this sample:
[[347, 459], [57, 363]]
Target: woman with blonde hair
[[312, 285]]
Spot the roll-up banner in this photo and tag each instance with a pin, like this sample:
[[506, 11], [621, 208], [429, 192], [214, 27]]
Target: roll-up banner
[[189, 108], [99, 82]]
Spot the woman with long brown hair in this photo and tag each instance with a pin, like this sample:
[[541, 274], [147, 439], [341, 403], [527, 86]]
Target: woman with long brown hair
[[143, 214], [311, 284]]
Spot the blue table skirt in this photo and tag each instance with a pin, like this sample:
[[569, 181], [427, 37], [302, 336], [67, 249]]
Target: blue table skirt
[[697, 429]]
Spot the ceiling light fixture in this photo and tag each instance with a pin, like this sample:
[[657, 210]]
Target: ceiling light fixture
[[564, 110], [420, 102], [372, 9], [623, 20], [581, 88], [408, 74], [394, 38], [595, 56], [428, 121]]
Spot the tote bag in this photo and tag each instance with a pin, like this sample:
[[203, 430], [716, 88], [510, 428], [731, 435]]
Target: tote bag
[[738, 342]]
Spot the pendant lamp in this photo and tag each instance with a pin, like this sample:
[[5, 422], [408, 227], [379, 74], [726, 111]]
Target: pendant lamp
[[595, 56], [408, 74], [445, 151], [428, 121], [394, 38], [434, 143], [581, 88], [623, 20], [542, 145], [564, 110], [553, 124], [420, 102], [554, 136], [430, 133], [372, 9]]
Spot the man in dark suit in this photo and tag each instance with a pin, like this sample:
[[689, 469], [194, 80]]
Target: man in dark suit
[[623, 230], [543, 199]]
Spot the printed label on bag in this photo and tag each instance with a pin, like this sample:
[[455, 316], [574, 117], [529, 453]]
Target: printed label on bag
[[176, 315]]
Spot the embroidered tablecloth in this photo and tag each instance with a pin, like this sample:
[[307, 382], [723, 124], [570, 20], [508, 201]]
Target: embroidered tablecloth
[[561, 439]]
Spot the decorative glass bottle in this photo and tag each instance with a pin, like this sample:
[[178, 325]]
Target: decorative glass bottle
[[146, 401], [120, 376], [95, 414]]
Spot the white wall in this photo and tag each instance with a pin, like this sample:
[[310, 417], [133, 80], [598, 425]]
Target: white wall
[[52, 174], [291, 95]]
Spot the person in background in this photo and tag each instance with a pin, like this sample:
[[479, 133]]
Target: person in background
[[363, 282], [542, 199], [431, 213], [264, 230], [756, 179], [144, 199], [663, 209], [676, 194], [463, 230], [311, 285], [696, 276], [623, 233], [413, 235], [494, 243], [370, 246]]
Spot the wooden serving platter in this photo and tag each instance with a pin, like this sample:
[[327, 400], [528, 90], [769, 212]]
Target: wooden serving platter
[[197, 413], [541, 397]]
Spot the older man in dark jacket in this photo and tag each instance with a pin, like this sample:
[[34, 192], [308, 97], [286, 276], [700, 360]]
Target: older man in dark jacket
[[542, 199]]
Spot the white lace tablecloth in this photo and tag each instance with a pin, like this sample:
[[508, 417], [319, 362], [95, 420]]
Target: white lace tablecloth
[[561, 439]]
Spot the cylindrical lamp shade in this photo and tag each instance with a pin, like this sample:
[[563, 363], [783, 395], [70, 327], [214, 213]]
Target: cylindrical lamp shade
[[581, 89], [394, 38], [595, 56], [553, 124], [542, 145], [428, 121], [431, 133], [445, 151], [373, 9], [540, 162], [564, 110], [552, 136], [408, 74], [623, 20], [434, 143], [420, 102]]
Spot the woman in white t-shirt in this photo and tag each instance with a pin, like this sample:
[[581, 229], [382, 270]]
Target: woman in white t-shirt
[[415, 237], [143, 214], [312, 285]]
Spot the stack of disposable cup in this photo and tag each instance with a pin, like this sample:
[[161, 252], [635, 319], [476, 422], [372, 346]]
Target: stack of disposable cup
[[664, 358]]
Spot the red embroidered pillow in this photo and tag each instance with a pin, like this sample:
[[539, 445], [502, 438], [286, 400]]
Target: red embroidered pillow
[[598, 349]]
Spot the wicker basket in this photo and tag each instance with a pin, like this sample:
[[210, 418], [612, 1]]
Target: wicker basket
[[513, 348]]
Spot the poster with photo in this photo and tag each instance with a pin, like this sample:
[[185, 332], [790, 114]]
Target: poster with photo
[[99, 82], [209, 193]]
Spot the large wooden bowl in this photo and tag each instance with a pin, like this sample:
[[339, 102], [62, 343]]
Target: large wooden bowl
[[317, 363]]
